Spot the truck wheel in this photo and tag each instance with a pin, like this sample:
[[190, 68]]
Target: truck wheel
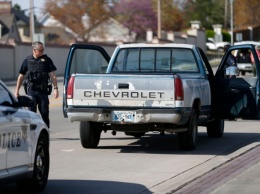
[[40, 170], [89, 134], [187, 140], [215, 128]]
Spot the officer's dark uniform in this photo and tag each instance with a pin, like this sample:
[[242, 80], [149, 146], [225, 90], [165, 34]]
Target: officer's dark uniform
[[231, 61], [37, 77]]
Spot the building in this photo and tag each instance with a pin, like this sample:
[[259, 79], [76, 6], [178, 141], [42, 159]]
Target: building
[[9, 33]]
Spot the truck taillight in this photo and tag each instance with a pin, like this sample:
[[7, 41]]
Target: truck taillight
[[179, 95], [70, 87]]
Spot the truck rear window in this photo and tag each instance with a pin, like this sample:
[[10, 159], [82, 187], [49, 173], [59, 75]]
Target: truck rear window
[[156, 60]]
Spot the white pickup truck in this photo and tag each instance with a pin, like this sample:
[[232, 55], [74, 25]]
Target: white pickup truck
[[153, 87]]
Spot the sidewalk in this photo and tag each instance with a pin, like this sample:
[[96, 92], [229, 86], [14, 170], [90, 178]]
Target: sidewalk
[[238, 175], [247, 182], [238, 172]]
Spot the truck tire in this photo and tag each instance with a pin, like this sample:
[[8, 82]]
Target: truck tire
[[187, 140], [215, 128], [89, 134]]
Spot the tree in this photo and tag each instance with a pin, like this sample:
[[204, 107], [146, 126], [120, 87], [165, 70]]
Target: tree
[[208, 12], [141, 15], [171, 16], [81, 16], [17, 7], [137, 16], [246, 13]]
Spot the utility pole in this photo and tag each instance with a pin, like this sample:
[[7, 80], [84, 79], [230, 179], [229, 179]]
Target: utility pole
[[31, 20], [226, 14], [159, 19], [231, 21]]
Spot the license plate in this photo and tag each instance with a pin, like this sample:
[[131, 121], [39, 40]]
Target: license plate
[[123, 116]]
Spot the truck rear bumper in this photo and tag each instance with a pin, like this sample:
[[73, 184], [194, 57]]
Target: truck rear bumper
[[141, 115]]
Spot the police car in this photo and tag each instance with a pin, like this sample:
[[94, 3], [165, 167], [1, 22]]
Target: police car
[[24, 143]]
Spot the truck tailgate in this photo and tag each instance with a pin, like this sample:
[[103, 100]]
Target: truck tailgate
[[135, 91]]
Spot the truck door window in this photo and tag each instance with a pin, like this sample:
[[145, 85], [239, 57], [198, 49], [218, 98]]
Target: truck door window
[[244, 62], [241, 59], [88, 61]]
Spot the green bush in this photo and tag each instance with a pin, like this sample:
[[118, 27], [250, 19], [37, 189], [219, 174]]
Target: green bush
[[226, 36], [210, 33]]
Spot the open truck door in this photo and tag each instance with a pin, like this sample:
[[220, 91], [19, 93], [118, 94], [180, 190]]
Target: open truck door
[[237, 96], [86, 59]]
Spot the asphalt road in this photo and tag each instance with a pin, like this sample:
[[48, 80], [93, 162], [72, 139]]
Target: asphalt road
[[122, 164]]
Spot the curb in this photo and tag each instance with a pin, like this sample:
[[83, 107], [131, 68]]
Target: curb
[[181, 180]]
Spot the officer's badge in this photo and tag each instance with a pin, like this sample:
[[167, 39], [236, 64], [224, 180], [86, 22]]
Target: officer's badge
[[42, 59]]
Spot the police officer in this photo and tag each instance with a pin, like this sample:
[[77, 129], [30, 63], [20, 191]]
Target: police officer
[[231, 64], [38, 71]]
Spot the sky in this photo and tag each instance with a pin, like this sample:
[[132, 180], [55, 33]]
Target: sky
[[25, 4]]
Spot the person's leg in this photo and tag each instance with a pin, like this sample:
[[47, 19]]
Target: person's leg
[[44, 109]]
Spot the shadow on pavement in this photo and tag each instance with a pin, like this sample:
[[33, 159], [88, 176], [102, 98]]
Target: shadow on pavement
[[168, 144], [82, 186]]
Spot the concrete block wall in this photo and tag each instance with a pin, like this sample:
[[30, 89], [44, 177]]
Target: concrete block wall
[[11, 58]]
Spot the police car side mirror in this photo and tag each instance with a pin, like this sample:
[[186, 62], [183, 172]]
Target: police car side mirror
[[26, 101]]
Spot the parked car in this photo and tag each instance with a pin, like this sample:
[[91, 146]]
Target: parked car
[[24, 143], [212, 45], [243, 57]]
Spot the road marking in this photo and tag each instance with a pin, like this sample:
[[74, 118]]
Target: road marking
[[70, 150]]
